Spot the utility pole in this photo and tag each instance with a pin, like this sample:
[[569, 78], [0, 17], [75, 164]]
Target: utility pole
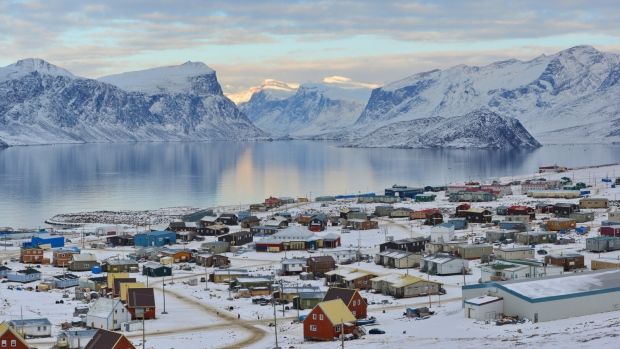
[[342, 333], [143, 334], [275, 321], [429, 294], [206, 277], [164, 292], [229, 297]]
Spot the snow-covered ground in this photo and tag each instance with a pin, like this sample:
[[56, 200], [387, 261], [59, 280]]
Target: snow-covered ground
[[199, 318]]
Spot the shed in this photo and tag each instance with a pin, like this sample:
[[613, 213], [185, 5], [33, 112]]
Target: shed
[[32, 328], [154, 269], [484, 308]]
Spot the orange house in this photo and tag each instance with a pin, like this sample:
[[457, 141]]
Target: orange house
[[351, 298]]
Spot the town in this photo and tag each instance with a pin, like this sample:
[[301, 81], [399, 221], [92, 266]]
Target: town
[[508, 258]]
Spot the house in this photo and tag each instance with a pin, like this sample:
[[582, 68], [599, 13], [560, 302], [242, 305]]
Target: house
[[554, 194], [32, 328], [120, 265], [614, 216], [558, 224], [258, 208], [569, 261], [425, 197], [471, 196], [83, 262], [249, 222], [107, 314], [536, 185], [555, 297], [493, 236], [409, 245], [66, 280], [603, 243], [379, 199], [155, 238], [62, 257], [224, 275], [343, 256], [319, 265], [31, 255], [565, 209], [154, 269], [215, 247], [120, 240], [610, 230], [502, 270], [24, 276], [243, 214], [443, 264], [328, 321], [96, 284], [544, 208], [228, 219], [598, 264], [47, 242], [318, 222], [262, 230], [4, 270], [477, 215], [272, 202], [433, 217], [187, 235], [109, 340], [456, 223], [484, 308], [475, 251], [278, 222], [75, 338], [519, 252], [331, 240], [349, 278], [10, 338], [537, 237], [351, 298], [291, 238], [208, 220], [593, 203], [519, 210], [308, 299], [383, 210], [141, 303], [216, 229], [293, 266], [403, 191], [178, 255], [362, 224], [582, 217], [212, 260], [442, 233], [253, 286], [398, 259], [404, 286], [401, 212], [117, 284], [126, 286], [513, 225]]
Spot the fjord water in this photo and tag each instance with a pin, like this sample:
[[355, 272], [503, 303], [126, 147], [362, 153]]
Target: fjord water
[[39, 181]]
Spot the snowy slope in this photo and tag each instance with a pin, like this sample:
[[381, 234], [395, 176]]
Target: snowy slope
[[568, 97], [273, 89], [44, 104], [478, 129], [314, 109]]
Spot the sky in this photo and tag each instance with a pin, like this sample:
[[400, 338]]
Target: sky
[[247, 42]]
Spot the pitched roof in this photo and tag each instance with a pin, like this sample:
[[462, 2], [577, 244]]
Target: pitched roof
[[340, 293], [104, 340], [336, 311], [4, 327], [140, 297]]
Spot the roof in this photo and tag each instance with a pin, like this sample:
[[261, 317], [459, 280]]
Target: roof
[[29, 271], [140, 297], [294, 261], [336, 311], [84, 257], [31, 322], [62, 277], [153, 265], [483, 300], [121, 261], [339, 293], [104, 340], [4, 327], [440, 259], [396, 254], [103, 307], [319, 259]]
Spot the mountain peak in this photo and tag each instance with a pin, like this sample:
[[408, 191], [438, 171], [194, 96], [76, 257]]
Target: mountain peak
[[29, 65]]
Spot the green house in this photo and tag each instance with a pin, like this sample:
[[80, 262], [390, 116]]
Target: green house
[[425, 197]]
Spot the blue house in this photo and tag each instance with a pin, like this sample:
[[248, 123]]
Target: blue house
[[457, 223], [54, 242], [24, 276], [403, 191], [155, 238], [66, 280], [4, 270]]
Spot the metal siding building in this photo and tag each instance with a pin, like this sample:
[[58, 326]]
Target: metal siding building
[[554, 298]]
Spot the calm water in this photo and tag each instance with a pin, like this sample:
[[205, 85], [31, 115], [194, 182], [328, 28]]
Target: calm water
[[38, 182]]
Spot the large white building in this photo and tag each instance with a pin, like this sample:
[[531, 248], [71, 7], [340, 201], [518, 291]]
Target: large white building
[[555, 297]]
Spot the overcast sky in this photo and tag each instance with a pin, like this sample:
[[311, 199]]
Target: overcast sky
[[298, 41]]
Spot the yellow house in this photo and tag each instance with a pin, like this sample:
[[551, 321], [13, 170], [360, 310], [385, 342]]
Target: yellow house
[[126, 286], [112, 276]]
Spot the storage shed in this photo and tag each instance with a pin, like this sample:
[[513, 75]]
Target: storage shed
[[484, 308]]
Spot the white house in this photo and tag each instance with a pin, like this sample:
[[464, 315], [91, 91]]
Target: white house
[[442, 234], [518, 252], [292, 266], [32, 328], [342, 255], [107, 314], [502, 270], [485, 308], [443, 264]]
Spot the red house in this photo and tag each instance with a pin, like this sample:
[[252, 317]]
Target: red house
[[612, 230], [11, 339], [328, 320], [460, 209], [141, 303], [272, 202], [518, 210], [109, 340], [351, 298]]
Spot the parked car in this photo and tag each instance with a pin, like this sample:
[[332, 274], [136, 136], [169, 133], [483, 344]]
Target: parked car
[[542, 252], [376, 331]]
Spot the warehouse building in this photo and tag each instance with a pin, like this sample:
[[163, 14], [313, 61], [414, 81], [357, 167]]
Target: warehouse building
[[553, 298]]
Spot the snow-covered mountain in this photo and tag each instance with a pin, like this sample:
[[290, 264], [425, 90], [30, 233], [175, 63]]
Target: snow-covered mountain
[[314, 109], [42, 104], [478, 129], [568, 97], [273, 88]]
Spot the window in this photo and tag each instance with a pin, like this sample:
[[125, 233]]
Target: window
[[321, 317], [337, 328], [313, 328], [313, 316], [13, 343], [4, 343]]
